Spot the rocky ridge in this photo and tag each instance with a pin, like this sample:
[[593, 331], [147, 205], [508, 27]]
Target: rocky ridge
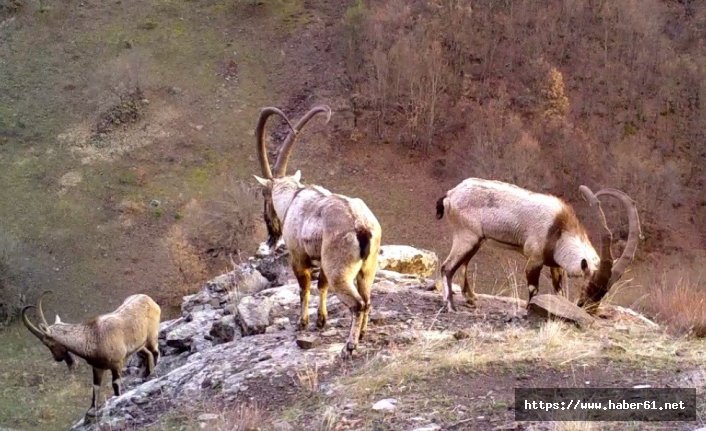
[[236, 339]]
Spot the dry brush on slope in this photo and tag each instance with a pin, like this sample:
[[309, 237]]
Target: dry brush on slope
[[545, 97]]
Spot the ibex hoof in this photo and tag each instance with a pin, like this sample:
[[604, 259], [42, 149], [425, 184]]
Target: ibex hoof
[[303, 325], [450, 307], [347, 352], [321, 323], [90, 415]]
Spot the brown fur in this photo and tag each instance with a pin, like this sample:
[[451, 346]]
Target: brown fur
[[105, 341]]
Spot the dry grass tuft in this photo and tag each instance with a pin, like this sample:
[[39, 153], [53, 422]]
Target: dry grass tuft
[[681, 306], [308, 378], [244, 417], [552, 334]]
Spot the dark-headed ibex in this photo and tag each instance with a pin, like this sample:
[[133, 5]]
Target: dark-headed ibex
[[105, 341], [542, 227], [317, 225]]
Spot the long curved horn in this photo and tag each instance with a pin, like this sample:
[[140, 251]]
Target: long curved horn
[[33, 329], [598, 285], [634, 233], [281, 163], [39, 307], [265, 113]]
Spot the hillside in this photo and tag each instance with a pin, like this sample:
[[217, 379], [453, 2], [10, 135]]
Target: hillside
[[127, 148]]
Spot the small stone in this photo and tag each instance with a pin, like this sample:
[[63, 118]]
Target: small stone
[[382, 316], [307, 341], [430, 427], [386, 405]]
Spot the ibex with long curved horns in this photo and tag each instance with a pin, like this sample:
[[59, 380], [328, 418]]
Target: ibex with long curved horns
[[317, 225], [105, 342], [542, 227]]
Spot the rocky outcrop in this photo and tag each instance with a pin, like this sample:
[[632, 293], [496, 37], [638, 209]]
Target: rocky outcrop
[[236, 340], [408, 260]]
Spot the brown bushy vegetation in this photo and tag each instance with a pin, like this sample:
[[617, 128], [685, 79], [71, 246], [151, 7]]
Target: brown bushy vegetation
[[226, 224], [207, 236], [681, 305], [596, 92]]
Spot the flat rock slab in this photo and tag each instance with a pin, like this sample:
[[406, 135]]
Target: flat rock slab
[[558, 307]]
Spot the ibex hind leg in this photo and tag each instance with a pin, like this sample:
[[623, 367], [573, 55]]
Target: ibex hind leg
[[322, 315], [467, 290], [149, 358], [351, 298], [364, 280], [303, 275], [462, 250]]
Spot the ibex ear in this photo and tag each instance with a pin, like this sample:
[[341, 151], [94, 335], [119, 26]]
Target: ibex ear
[[263, 181], [297, 175], [57, 319]]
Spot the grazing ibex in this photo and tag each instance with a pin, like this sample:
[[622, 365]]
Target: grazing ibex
[[105, 341], [542, 227], [317, 225]]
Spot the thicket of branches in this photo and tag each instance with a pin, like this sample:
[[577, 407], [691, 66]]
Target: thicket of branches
[[599, 92]]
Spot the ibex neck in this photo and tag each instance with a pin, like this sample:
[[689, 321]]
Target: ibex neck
[[282, 199], [77, 338]]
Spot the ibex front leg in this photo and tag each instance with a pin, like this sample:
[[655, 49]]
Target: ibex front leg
[[533, 270], [557, 280], [97, 380], [117, 381]]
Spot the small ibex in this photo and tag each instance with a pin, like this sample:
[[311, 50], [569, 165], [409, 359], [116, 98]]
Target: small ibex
[[542, 227], [105, 342], [317, 225]]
